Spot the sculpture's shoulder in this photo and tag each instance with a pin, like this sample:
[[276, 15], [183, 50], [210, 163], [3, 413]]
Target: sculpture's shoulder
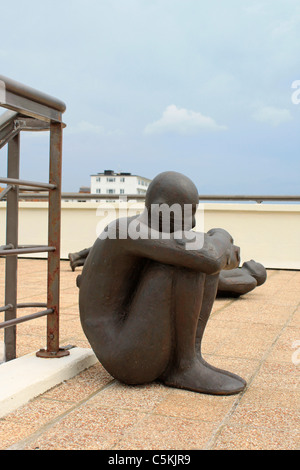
[[117, 229]]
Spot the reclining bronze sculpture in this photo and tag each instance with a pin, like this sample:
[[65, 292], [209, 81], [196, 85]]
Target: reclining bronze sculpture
[[145, 301], [241, 280]]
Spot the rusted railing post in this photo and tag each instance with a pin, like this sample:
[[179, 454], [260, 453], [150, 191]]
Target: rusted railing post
[[54, 223], [11, 264]]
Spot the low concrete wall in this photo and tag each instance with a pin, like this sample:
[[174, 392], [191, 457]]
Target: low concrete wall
[[267, 233]]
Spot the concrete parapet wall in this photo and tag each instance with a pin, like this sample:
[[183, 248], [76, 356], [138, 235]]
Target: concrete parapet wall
[[267, 233]]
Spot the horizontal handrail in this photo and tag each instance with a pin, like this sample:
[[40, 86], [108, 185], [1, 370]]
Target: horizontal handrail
[[6, 308], [32, 189], [32, 94], [6, 247], [88, 196], [23, 305], [20, 251], [31, 305], [27, 183], [32, 316]]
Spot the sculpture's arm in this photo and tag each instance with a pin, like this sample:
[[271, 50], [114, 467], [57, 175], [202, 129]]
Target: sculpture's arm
[[216, 251], [236, 281]]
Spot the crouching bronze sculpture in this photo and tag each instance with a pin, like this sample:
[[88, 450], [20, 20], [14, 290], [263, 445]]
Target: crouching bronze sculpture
[[146, 294]]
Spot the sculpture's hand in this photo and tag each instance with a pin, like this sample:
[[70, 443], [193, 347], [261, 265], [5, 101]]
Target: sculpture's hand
[[233, 258], [232, 252]]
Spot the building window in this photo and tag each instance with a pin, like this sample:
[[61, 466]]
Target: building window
[[122, 191], [110, 191], [98, 191], [98, 179], [122, 180], [110, 180]]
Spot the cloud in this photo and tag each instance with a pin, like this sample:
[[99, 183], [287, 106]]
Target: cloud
[[272, 115], [182, 121]]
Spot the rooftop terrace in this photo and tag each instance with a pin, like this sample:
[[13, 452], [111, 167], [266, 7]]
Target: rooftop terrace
[[253, 336]]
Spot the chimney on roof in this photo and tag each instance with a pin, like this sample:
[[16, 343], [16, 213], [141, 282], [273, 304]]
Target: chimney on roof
[[85, 189]]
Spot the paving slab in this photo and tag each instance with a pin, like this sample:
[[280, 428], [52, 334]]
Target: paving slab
[[256, 336], [26, 377]]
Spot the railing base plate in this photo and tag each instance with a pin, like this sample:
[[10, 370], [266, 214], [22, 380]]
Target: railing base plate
[[49, 354]]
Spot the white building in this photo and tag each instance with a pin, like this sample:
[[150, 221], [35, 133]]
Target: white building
[[110, 182]]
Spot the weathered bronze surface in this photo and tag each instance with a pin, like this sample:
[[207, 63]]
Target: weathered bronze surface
[[232, 283], [145, 300], [241, 280]]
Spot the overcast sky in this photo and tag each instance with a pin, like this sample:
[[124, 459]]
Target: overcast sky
[[199, 87]]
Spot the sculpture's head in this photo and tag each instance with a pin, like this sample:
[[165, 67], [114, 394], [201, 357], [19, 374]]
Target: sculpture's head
[[257, 270], [171, 200]]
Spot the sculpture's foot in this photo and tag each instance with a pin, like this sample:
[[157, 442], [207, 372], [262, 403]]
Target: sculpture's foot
[[199, 377], [72, 259], [221, 371]]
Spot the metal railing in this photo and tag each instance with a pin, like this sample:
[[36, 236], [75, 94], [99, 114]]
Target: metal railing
[[30, 195], [31, 110]]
